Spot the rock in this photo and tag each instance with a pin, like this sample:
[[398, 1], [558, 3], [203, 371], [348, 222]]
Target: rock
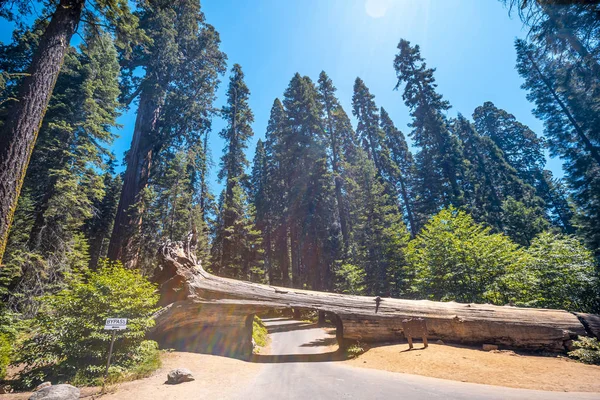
[[179, 375], [56, 392], [440, 342], [489, 347], [5, 389], [42, 385]]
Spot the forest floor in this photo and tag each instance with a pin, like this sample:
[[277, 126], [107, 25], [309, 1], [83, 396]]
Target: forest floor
[[468, 364]]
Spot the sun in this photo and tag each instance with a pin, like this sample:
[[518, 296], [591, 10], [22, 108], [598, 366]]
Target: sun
[[377, 8]]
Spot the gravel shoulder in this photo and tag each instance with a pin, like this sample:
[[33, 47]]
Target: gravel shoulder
[[500, 368]]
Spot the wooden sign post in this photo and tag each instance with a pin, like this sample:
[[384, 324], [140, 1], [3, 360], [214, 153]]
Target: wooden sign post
[[114, 325]]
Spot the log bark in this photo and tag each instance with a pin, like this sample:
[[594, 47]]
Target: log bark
[[25, 116], [204, 312]]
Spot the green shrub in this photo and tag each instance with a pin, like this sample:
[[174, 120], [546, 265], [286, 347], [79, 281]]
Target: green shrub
[[259, 332], [587, 350], [5, 349], [354, 350], [563, 274], [455, 258], [68, 340]]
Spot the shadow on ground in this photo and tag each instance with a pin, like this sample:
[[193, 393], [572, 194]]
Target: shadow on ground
[[338, 355]]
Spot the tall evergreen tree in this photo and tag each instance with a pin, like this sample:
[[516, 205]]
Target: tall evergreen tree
[[341, 140], [64, 184], [24, 116], [181, 69], [366, 112], [569, 108], [273, 208], [236, 237], [522, 149], [439, 160], [309, 204], [401, 166], [489, 179], [379, 235]]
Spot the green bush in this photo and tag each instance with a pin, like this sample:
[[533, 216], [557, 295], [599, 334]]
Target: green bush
[[454, 258], [259, 332], [587, 350], [562, 274], [5, 349], [67, 338], [354, 350]]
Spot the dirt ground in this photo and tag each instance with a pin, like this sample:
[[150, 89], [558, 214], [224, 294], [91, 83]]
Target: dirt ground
[[502, 368], [216, 378]]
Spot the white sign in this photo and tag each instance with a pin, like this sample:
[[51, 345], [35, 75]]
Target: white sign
[[115, 324]]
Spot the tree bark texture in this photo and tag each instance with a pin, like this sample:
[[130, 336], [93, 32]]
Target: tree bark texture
[[128, 219], [26, 114]]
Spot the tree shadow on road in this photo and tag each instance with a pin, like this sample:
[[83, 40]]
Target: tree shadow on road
[[331, 341], [338, 355], [294, 326]]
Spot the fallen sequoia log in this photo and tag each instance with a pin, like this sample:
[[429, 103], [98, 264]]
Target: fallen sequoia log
[[206, 313]]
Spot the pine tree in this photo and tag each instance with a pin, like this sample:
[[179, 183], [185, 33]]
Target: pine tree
[[439, 159], [379, 235], [236, 233], [309, 200], [561, 210], [489, 178], [64, 184], [341, 141], [569, 110], [369, 132], [24, 116], [181, 69], [522, 149], [401, 166]]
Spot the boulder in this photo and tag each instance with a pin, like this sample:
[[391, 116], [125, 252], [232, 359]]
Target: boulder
[[42, 385], [56, 392], [489, 347], [179, 375], [440, 342]]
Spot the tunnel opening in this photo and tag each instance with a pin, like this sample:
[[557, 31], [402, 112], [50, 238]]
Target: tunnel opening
[[300, 334]]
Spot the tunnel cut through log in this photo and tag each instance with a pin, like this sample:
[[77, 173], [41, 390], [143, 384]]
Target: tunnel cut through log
[[206, 313]]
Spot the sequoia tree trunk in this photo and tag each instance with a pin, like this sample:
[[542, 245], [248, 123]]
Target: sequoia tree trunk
[[123, 244], [26, 114]]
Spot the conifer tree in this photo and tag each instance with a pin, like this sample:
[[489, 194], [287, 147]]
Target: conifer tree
[[489, 178], [401, 165], [309, 199], [567, 104], [181, 68], [522, 149], [24, 115], [276, 231], [236, 233], [341, 140], [379, 235], [64, 183], [369, 132], [439, 159]]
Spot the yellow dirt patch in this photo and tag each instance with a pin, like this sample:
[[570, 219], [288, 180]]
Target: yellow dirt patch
[[502, 368]]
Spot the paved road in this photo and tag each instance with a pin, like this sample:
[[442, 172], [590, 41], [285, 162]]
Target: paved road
[[296, 368]]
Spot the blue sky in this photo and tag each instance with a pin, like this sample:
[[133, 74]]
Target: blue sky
[[469, 42]]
